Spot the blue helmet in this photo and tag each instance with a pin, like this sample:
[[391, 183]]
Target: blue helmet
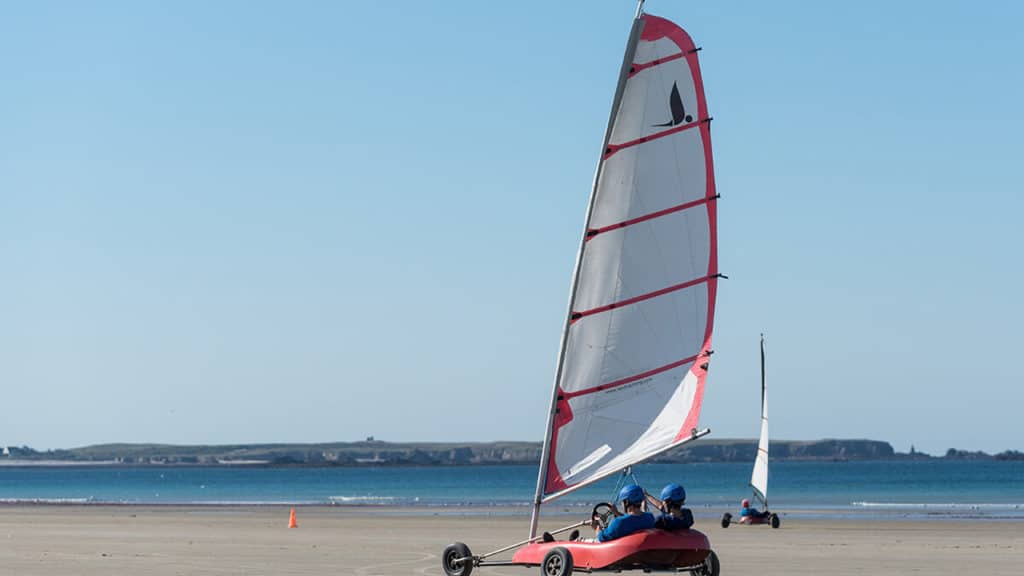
[[673, 492], [631, 493]]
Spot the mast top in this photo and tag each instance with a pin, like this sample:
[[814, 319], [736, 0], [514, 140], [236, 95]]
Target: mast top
[[639, 8]]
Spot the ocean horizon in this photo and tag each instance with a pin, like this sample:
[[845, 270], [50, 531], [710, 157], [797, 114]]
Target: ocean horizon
[[877, 489]]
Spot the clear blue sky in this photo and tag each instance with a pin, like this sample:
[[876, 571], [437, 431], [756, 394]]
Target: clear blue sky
[[317, 221]]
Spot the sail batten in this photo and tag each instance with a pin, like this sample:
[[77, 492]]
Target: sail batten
[[658, 214], [641, 66], [630, 379], [634, 359], [641, 297], [612, 149]]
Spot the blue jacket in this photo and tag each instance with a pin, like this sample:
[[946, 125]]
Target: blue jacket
[[670, 522], [750, 512], [624, 525]]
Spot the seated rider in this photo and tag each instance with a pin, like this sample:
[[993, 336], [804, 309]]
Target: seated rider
[[674, 516], [747, 510], [634, 519]]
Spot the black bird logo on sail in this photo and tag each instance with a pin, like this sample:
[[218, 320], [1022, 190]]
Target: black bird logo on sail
[[675, 104]]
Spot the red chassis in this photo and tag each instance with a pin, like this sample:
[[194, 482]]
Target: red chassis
[[648, 550], [645, 549]]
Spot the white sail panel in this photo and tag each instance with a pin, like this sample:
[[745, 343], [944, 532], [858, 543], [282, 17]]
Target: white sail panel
[[642, 168], [636, 351], [651, 50], [644, 336], [630, 428], [617, 265], [647, 97], [759, 478]]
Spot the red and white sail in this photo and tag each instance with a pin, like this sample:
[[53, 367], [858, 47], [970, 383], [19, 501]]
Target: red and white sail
[[759, 478], [636, 347]]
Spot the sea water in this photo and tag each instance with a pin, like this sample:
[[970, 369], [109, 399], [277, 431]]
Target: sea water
[[935, 488]]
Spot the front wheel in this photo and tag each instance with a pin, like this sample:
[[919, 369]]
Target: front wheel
[[456, 560], [775, 521], [557, 562], [726, 519]]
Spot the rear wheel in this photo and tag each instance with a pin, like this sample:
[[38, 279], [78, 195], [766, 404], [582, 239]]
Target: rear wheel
[[726, 519], [452, 560], [775, 521], [557, 562], [709, 567]]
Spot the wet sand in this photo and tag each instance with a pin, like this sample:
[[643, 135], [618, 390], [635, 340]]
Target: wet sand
[[94, 540]]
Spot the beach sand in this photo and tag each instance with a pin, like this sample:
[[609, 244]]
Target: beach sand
[[88, 540]]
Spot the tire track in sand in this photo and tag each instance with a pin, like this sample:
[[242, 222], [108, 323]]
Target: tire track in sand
[[376, 569]]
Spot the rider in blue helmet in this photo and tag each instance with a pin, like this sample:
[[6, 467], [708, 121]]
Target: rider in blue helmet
[[635, 519], [631, 493], [674, 492], [673, 516]]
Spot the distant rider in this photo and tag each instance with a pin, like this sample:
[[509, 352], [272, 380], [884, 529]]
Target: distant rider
[[746, 510], [674, 516], [634, 520]]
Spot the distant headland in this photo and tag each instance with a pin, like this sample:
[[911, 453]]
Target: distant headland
[[371, 452]]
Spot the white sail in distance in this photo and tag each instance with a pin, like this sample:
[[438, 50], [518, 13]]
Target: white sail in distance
[[637, 341], [759, 478]]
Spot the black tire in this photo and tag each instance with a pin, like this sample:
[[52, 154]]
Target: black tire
[[557, 562], [452, 553], [711, 564], [709, 567], [726, 519], [775, 521]]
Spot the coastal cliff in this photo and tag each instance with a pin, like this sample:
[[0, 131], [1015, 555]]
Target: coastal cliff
[[377, 453]]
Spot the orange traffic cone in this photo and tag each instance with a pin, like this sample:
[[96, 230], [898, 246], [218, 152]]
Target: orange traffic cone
[[291, 520]]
